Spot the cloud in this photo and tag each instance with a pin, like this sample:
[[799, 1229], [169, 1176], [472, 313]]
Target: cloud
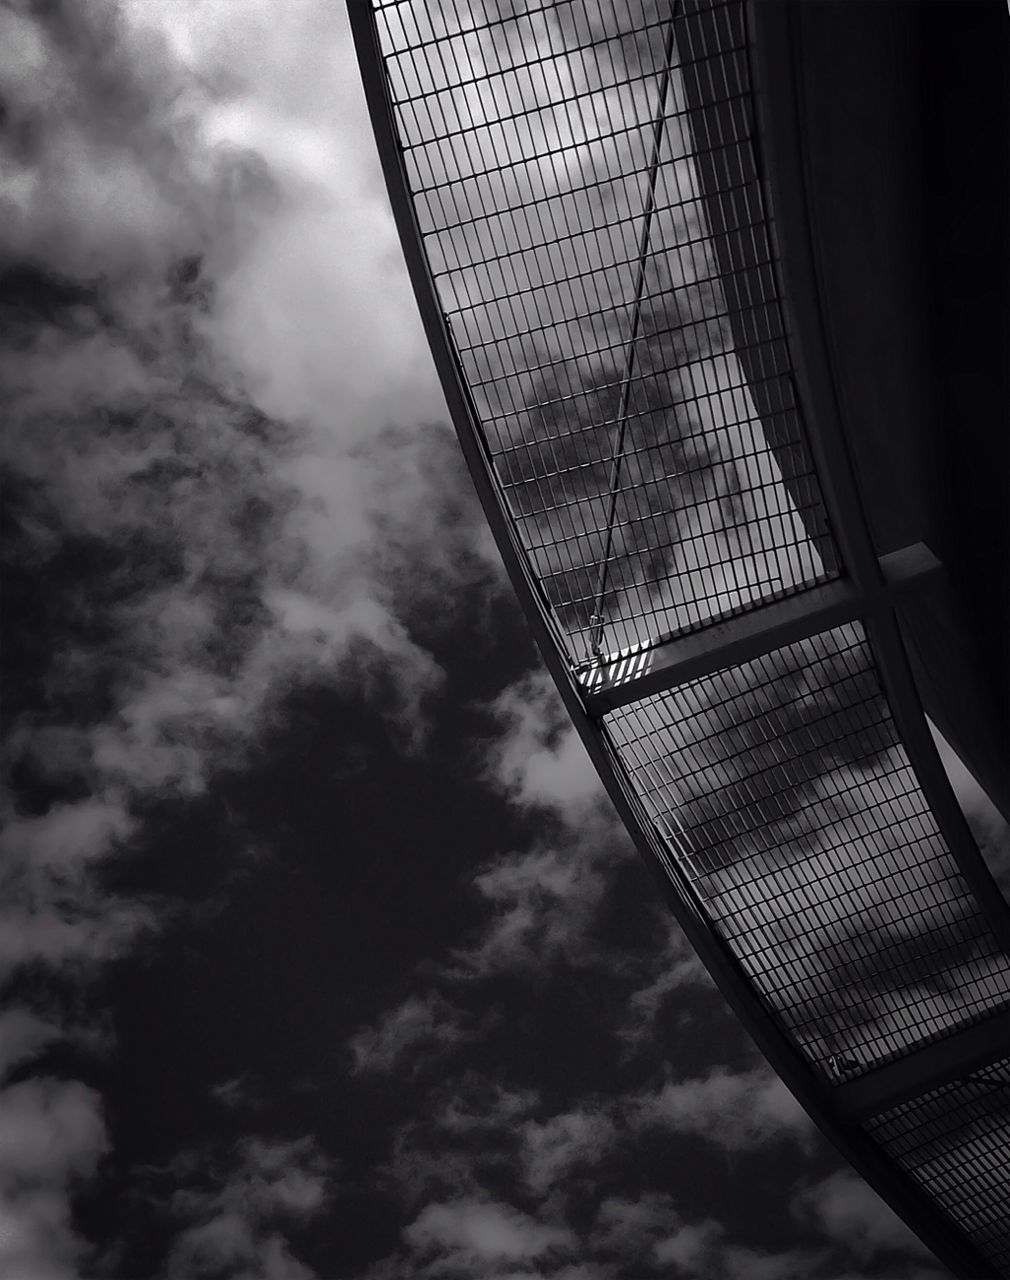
[[239, 1093], [540, 906], [252, 511], [53, 912], [489, 1179], [235, 1223], [627, 1227], [737, 1111], [420, 1030], [318, 311], [537, 759], [201, 558], [226, 473], [649, 1235], [553, 1149], [467, 1237], [22, 1035], [845, 1209], [690, 1247], [52, 1135], [670, 967], [465, 1138]]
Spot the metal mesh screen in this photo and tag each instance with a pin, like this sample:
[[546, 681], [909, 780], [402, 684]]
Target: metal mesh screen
[[954, 1142], [584, 179], [787, 802]]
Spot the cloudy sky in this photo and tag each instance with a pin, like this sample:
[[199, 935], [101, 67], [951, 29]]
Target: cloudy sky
[[322, 954]]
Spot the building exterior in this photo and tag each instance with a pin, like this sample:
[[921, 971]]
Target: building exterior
[[713, 292]]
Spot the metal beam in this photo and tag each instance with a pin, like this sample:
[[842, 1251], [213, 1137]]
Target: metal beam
[[626, 678], [919, 1070]]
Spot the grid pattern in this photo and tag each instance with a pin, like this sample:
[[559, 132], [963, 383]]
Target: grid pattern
[[954, 1142], [787, 803], [584, 179], [586, 185]]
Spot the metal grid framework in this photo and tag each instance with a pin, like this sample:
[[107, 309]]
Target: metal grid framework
[[786, 798], [954, 1142], [552, 156], [580, 187]]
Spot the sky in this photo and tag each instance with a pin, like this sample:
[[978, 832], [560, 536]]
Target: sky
[[323, 955]]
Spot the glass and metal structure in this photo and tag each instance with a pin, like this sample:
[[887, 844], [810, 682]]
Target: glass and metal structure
[[604, 222]]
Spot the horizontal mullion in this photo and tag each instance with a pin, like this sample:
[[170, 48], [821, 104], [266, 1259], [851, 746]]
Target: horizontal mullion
[[749, 635], [920, 1070]]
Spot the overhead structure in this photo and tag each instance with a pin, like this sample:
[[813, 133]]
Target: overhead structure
[[622, 225]]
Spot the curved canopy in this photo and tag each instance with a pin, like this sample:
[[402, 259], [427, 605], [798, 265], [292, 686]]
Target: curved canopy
[[610, 246]]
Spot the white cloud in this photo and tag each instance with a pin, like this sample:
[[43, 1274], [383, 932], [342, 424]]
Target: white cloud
[[50, 1129], [538, 759], [653, 1237], [245, 556], [627, 1225], [420, 1029], [52, 911], [238, 1093], [846, 1209], [468, 1126], [553, 1149], [202, 179], [466, 1236], [690, 1247], [237, 1223], [51, 1135], [737, 1111], [671, 967], [540, 906], [318, 311], [231, 558]]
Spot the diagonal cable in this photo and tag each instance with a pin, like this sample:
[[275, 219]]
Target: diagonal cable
[[617, 461]]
